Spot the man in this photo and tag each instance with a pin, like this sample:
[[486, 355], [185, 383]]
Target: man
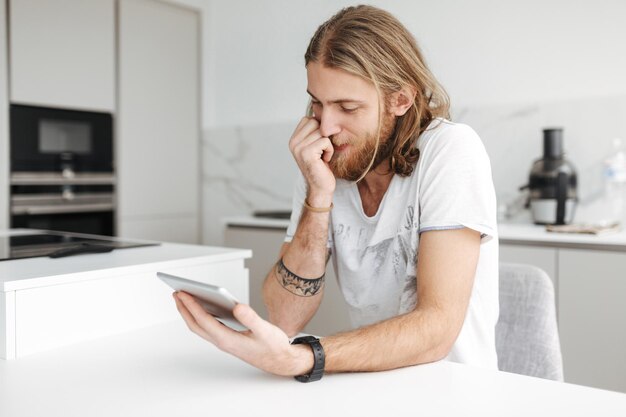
[[401, 199]]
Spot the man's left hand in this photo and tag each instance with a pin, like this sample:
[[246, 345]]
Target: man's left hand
[[264, 345]]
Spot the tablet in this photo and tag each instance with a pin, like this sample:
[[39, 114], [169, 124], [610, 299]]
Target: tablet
[[215, 300]]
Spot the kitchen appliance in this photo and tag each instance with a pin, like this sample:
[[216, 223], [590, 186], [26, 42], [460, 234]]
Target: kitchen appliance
[[31, 244], [62, 175], [553, 183]]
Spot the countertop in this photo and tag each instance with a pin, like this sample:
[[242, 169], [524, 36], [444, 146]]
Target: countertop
[[509, 233], [37, 272], [168, 371]]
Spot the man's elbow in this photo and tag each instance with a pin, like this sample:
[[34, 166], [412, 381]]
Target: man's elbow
[[443, 338], [439, 351]]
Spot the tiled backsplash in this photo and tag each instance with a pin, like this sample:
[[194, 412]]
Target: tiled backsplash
[[247, 168]]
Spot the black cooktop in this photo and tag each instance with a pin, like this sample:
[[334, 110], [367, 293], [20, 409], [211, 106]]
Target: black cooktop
[[59, 244]]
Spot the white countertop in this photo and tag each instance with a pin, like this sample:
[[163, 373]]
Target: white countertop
[[509, 233], [36, 272], [166, 370], [531, 234], [258, 222]]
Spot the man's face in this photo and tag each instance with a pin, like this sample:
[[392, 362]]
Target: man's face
[[346, 106]]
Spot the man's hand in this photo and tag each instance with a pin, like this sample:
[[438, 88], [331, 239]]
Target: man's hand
[[312, 153], [264, 345]]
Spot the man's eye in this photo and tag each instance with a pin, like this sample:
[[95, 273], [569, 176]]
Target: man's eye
[[349, 109]]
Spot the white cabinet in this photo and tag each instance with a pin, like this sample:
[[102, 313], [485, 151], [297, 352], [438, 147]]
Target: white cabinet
[[544, 258], [592, 311], [332, 316], [62, 53], [48, 303], [4, 123], [158, 125]]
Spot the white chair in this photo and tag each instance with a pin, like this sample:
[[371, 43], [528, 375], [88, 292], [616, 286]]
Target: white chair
[[527, 338]]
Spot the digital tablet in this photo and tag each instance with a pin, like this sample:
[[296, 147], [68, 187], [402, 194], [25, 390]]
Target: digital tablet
[[215, 300]]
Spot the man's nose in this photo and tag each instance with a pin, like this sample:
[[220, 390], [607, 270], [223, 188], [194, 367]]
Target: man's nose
[[329, 123]]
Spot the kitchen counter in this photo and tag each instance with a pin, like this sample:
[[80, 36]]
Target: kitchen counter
[[535, 235], [42, 271], [255, 222], [509, 233], [166, 370], [47, 303]]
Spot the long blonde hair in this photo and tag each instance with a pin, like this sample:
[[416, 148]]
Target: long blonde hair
[[373, 44]]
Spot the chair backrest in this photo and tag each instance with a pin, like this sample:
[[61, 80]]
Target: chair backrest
[[527, 337]]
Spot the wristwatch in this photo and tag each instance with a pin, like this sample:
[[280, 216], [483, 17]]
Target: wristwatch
[[318, 358]]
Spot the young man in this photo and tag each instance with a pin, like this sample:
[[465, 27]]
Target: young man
[[401, 199]]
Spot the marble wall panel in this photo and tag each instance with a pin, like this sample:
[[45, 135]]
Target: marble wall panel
[[248, 168], [245, 169]]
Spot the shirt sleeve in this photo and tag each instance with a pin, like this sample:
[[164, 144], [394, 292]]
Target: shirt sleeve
[[456, 188]]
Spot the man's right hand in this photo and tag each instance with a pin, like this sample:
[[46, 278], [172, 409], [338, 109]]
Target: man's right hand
[[312, 153]]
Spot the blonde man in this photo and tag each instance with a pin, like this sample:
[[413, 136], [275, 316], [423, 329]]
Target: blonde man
[[402, 201]]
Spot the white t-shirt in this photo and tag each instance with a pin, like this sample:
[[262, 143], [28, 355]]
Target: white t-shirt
[[375, 258]]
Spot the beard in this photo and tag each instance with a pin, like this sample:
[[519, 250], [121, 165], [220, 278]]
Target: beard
[[352, 165]]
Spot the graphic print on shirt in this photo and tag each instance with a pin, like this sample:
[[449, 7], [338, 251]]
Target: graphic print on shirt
[[392, 262]]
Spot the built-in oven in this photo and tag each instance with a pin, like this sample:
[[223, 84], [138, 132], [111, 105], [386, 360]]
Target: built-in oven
[[62, 175]]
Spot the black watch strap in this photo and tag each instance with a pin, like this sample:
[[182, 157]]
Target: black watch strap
[[319, 358]]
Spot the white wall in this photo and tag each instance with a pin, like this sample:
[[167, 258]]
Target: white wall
[[511, 68], [207, 41], [484, 52]]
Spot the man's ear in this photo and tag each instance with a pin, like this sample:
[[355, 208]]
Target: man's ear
[[401, 101]]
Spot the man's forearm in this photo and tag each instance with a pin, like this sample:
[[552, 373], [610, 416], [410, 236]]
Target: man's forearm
[[293, 288], [410, 339]]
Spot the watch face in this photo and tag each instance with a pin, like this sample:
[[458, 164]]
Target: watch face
[[304, 339]]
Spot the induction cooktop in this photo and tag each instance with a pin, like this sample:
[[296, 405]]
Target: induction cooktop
[[60, 244]]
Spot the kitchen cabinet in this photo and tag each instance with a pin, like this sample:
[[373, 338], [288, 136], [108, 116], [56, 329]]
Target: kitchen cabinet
[[136, 59], [62, 53], [4, 122], [544, 258], [592, 315], [158, 124], [265, 243]]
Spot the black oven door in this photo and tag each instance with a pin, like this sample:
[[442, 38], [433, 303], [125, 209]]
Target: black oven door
[[95, 222], [79, 208], [53, 140]]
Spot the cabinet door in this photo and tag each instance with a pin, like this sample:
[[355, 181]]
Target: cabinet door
[[544, 258], [332, 315], [63, 53], [592, 311], [158, 121]]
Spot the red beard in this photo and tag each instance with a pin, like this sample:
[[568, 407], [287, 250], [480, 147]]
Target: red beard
[[352, 163]]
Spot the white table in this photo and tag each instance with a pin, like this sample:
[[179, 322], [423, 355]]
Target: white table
[[166, 370]]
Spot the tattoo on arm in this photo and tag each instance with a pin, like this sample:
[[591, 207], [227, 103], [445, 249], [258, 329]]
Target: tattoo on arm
[[296, 285]]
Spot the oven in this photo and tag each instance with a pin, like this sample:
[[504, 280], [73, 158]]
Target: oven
[[62, 175]]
